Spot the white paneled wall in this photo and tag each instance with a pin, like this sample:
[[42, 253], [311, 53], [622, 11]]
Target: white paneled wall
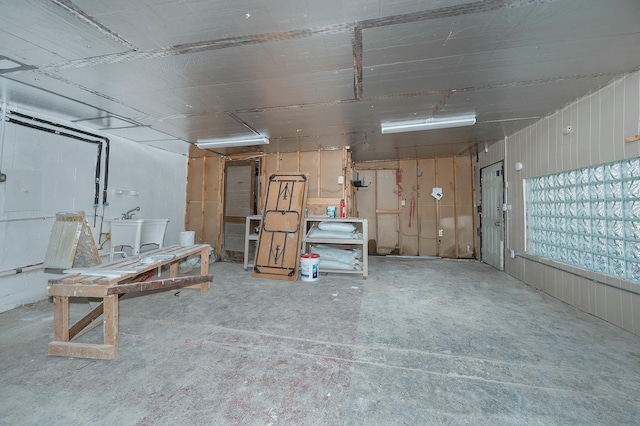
[[599, 124], [48, 173]]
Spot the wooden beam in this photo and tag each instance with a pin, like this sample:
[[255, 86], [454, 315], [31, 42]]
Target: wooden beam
[[167, 283], [86, 320], [82, 350]]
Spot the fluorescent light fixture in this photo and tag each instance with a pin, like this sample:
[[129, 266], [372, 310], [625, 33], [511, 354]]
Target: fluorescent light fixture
[[427, 124], [226, 143]]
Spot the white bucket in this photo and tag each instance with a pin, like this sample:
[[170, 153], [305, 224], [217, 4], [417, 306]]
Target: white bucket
[[309, 266], [187, 238]]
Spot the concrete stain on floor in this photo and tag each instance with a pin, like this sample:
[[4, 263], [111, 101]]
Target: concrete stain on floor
[[419, 342]]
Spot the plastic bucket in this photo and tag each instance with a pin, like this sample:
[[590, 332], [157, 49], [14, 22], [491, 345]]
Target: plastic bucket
[[187, 238], [309, 266]]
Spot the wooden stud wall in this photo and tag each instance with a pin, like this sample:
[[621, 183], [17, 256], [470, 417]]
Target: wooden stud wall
[[427, 210], [204, 202], [453, 214], [322, 169], [408, 192]]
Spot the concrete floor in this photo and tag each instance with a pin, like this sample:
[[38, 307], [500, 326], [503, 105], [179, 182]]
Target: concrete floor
[[419, 342]]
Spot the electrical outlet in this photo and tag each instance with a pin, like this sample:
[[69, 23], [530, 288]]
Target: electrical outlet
[[340, 180], [404, 203]]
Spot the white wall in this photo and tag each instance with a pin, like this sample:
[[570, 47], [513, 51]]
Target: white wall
[[48, 173], [600, 123]]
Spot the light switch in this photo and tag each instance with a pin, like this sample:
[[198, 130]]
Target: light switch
[[340, 180]]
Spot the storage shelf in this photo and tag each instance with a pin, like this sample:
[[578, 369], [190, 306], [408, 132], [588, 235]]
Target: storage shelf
[[251, 222], [362, 226]]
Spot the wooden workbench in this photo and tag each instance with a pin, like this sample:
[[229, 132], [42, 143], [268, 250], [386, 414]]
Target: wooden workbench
[[109, 282]]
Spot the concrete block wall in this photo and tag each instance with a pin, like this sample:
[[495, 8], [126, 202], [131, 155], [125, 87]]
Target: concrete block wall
[[599, 124], [48, 173]]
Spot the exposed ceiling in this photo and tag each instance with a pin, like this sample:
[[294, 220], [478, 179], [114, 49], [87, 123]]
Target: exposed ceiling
[[312, 74]]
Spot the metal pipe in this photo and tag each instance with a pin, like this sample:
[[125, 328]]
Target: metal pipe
[[106, 140], [21, 269], [2, 127], [20, 219]]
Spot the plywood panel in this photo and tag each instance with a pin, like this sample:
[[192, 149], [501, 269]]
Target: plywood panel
[[408, 192], [309, 166], [366, 202], [447, 214], [239, 190], [288, 162], [212, 168], [387, 191], [465, 225], [387, 233], [428, 243], [330, 168]]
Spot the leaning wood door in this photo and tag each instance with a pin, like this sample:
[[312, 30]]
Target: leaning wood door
[[238, 204], [491, 225], [280, 238]]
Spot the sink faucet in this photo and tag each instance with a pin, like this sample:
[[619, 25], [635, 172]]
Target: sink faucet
[[130, 213]]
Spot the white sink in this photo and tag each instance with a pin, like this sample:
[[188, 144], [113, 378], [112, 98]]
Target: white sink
[[135, 233]]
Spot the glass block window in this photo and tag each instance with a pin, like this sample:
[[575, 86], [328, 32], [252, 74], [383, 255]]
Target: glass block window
[[588, 217]]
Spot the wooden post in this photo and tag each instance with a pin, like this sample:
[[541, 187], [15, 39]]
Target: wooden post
[[111, 322], [455, 206], [60, 318]]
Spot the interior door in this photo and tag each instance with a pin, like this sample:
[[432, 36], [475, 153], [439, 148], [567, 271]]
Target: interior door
[[491, 217], [239, 202]]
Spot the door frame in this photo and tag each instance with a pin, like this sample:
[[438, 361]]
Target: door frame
[[500, 249], [252, 188]]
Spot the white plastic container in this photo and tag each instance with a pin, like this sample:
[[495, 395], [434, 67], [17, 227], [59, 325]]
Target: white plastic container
[[187, 238], [309, 266]]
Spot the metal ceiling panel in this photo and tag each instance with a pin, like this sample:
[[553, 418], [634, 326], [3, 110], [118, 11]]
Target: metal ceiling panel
[[336, 120], [39, 33], [151, 24], [313, 75], [63, 99], [316, 70]]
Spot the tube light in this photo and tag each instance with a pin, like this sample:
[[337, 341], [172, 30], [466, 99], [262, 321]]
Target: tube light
[[426, 124], [226, 143]]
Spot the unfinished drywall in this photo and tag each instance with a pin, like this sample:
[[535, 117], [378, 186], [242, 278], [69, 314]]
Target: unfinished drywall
[[599, 122], [204, 197], [324, 168], [400, 207], [206, 176], [62, 178]]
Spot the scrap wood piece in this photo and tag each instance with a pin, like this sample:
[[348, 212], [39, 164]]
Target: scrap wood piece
[[632, 138], [71, 243], [168, 283], [80, 327]]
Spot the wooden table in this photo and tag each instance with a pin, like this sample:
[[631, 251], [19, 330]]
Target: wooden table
[[109, 282]]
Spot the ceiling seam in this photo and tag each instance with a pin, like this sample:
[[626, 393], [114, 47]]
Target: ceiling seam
[[445, 98], [357, 63], [450, 11], [224, 43], [442, 102], [76, 11], [244, 123]]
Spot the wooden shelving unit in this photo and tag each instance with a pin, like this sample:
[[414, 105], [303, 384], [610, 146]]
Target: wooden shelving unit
[[362, 226], [249, 235]]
